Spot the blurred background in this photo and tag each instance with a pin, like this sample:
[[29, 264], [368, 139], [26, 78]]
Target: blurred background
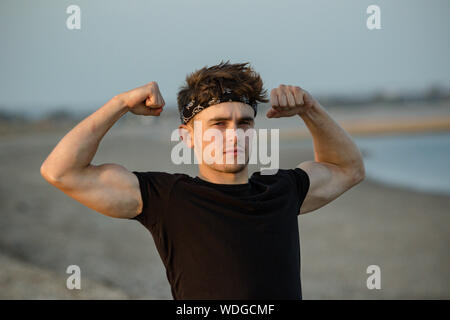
[[389, 88]]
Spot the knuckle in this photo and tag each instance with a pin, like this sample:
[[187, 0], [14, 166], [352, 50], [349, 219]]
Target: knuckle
[[153, 86]]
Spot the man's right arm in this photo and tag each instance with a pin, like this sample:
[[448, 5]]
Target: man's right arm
[[107, 188]]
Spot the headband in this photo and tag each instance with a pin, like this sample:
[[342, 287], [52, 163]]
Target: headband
[[189, 111]]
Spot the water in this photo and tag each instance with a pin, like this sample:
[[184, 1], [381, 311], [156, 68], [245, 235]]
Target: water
[[420, 162]]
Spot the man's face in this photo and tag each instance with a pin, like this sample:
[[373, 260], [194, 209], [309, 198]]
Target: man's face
[[221, 136]]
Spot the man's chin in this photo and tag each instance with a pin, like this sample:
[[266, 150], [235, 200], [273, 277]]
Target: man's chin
[[230, 168]]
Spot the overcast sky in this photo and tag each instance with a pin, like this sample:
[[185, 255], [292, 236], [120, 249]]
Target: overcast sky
[[323, 46]]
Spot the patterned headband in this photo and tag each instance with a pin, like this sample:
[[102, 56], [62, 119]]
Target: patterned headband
[[189, 111]]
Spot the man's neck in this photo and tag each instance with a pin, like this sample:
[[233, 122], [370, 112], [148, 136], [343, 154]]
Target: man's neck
[[224, 177]]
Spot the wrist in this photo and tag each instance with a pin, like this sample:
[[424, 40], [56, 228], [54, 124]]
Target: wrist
[[121, 100], [310, 110]]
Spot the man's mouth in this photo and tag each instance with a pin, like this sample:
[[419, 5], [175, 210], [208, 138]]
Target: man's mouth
[[234, 151]]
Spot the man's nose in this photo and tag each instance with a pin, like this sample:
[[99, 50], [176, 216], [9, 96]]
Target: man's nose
[[232, 133]]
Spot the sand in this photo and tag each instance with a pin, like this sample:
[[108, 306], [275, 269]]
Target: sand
[[42, 231]]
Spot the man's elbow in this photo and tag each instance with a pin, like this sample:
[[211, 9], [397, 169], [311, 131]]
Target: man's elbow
[[49, 176], [354, 174], [358, 175]]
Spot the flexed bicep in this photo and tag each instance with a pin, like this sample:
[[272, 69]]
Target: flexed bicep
[[109, 189], [327, 182]]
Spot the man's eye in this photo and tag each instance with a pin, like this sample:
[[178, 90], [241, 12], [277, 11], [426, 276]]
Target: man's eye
[[218, 123]]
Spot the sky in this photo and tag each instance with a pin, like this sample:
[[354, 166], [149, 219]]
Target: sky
[[322, 46]]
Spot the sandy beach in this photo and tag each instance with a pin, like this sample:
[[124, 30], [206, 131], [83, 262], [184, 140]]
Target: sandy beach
[[43, 231]]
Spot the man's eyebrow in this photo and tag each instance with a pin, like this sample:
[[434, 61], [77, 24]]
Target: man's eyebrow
[[246, 118]]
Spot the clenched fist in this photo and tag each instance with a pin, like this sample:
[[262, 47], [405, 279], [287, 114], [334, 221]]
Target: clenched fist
[[288, 101], [145, 100]]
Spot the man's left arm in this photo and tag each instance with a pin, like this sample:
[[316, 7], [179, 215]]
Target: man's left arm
[[338, 164]]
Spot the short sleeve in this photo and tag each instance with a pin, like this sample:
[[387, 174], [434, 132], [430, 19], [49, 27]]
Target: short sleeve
[[302, 182], [155, 189]]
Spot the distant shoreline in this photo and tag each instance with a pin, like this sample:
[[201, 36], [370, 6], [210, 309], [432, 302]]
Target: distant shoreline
[[381, 126]]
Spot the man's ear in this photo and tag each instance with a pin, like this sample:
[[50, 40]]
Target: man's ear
[[186, 134]]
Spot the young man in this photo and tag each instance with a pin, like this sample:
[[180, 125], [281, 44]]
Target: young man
[[220, 235]]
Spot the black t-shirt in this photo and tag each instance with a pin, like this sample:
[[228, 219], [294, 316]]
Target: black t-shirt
[[226, 241]]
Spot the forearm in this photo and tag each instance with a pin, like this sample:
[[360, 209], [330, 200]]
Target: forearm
[[331, 142], [77, 148]]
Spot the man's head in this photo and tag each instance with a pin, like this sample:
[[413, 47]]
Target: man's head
[[204, 101]]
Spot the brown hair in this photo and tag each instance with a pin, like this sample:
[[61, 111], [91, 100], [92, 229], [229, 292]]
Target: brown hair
[[206, 83]]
